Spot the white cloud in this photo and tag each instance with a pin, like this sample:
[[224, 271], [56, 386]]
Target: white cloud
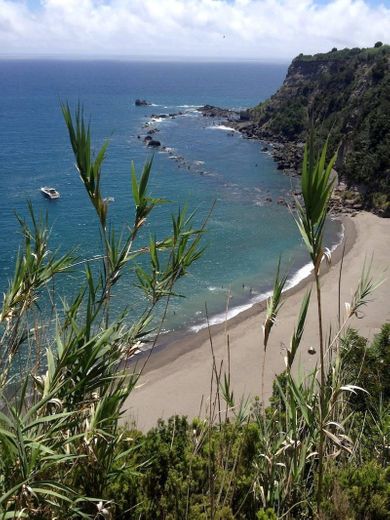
[[259, 29]]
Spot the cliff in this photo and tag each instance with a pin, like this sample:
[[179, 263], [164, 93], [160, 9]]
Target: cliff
[[346, 95]]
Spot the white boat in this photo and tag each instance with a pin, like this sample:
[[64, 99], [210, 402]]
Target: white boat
[[50, 193]]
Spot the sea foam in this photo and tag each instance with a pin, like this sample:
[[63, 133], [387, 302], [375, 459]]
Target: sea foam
[[300, 275], [221, 127]]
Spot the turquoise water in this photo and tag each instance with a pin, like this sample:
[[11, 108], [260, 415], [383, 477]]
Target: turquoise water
[[245, 235]]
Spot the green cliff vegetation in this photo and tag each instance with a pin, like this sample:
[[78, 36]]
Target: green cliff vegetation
[[344, 94], [319, 449]]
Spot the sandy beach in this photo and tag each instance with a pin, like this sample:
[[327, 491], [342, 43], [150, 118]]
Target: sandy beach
[[177, 378]]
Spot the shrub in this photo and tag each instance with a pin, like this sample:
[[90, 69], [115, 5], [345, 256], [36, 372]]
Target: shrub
[[357, 493]]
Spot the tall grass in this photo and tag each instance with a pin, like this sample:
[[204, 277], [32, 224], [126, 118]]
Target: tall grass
[[63, 379]]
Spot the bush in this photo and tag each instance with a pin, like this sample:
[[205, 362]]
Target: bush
[[381, 202], [357, 493], [368, 367]]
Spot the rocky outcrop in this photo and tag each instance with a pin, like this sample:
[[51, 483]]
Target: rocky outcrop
[[346, 95], [221, 113]]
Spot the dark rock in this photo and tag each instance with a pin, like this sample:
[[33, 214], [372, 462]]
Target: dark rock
[[147, 138], [154, 143], [141, 103], [244, 115], [212, 111]]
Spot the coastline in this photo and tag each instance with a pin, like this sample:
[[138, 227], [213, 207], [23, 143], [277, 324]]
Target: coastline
[[177, 377], [287, 154], [175, 343]]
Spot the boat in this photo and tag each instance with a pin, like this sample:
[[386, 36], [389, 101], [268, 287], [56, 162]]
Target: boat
[[50, 193]]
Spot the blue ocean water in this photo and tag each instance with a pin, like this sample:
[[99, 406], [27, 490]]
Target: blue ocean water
[[245, 235]]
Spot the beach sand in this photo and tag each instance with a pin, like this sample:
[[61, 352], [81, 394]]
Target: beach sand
[[176, 380]]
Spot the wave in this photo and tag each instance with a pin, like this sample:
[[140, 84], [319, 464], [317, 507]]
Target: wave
[[231, 313], [158, 119], [189, 106], [300, 275], [216, 289], [221, 127]]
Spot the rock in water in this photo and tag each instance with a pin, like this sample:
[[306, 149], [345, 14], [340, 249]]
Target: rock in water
[[141, 103], [154, 143]]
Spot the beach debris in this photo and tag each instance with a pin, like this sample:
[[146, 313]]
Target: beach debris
[[312, 351]]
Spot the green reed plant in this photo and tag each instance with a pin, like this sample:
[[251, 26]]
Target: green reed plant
[[313, 413], [59, 434], [316, 185]]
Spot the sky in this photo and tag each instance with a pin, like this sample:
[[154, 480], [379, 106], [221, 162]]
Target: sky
[[264, 30]]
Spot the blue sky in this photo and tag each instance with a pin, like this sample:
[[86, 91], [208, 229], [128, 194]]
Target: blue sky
[[273, 30]]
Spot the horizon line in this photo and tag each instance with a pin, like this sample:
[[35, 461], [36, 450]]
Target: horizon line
[[139, 58]]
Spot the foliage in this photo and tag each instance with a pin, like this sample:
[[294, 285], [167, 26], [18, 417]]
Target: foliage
[[369, 366], [358, 493], [263, 467]]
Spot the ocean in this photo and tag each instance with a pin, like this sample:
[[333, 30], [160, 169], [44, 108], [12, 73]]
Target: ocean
[[203, 163]]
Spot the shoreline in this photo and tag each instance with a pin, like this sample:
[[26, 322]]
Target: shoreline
[[173, 344], [245, 304], [178, 377]]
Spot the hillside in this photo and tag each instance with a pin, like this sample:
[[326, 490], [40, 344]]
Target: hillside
[[345, 94]]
